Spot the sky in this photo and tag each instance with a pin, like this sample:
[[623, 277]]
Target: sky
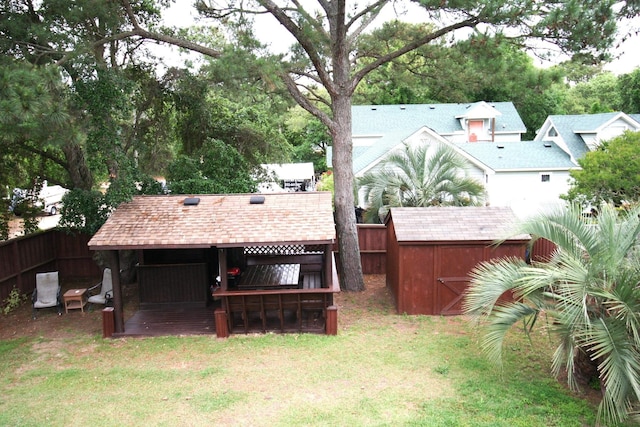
[[183, 14]]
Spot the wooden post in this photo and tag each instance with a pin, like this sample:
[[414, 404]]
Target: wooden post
[[327, 258], [222, 329], [113, 261], [222, 269], [107, 322], [332, 320]]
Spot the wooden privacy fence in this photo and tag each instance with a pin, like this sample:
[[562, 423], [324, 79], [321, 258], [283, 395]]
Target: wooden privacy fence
[[22, 258], [372, 239], [52, 250]]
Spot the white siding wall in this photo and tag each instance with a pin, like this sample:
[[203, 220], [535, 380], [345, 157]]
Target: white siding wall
[[525, 192], [459, 138]]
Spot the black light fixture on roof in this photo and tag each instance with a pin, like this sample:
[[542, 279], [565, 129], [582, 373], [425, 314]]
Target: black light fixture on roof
[[191, 201]]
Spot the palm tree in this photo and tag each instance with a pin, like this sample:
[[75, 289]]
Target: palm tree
[[422, 175], [589, 291]]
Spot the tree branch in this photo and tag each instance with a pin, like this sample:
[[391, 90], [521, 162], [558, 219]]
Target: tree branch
[[373, 10], [470, 23], [302, 38], [304, 102], [164, 38]]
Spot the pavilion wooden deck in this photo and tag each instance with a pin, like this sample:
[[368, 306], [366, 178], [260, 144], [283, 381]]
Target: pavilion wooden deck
[[170, 319], [195, 319]]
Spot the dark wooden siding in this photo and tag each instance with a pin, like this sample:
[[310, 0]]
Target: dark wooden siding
[[431, 278], [392, 262], [23, 257], [74, 257], [373, 248], [372, 239], [415, 279], [542, 250], [173, 283]]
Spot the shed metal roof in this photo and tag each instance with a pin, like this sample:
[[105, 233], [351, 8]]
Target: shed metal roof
[[454, 223], [159, 222]]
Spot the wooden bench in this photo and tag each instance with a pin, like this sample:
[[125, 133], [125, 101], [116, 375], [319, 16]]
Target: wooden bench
[[311, 280], [311, 266]]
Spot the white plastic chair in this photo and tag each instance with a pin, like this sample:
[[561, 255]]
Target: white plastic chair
[[47, 292], [106, 289]]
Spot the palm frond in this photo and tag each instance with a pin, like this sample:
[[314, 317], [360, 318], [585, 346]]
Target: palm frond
[[489, 282], [501, 320], [619, 367]]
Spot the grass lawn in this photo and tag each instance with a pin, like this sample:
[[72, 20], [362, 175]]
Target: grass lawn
[[381, 369]]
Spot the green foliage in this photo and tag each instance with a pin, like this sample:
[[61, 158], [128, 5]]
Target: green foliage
[[629, 89], [83, 211], [325, 183], [610, 173], [251, 127], [308, 137], [13, 301], [34, 126], [216, 168], [587, 294], [599, 94], [481, 68], [421, 176], [5, 217]]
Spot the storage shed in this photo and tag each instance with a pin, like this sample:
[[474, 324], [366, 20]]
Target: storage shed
[[430, 252]]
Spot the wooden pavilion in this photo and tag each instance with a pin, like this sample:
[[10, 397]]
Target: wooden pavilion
[[259, 262]]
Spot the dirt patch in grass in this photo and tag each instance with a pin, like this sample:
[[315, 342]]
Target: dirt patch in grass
[[354, 307], [20, 322]]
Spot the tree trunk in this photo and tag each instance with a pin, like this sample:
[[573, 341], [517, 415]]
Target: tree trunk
[[77, 166], [585, 369], [349, 266]]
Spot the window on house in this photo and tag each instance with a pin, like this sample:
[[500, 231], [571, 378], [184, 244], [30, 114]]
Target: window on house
[[552, 132], [476, 129], [545, 177]]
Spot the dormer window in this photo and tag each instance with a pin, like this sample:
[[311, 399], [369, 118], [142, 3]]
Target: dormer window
[[552, 132], [476, 130]]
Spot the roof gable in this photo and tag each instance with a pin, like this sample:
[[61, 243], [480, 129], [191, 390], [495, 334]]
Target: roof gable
[[148, 222], [394, 124], [577, 133], [480, 110]]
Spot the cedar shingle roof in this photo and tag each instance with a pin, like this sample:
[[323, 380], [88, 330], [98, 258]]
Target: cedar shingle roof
[[149, 222], [449, 223]]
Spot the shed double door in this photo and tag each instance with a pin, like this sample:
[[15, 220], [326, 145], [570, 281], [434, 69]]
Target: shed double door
[[452, 268]]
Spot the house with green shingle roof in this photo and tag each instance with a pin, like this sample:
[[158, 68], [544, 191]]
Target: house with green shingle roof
[[579, 134], [528, 176]]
